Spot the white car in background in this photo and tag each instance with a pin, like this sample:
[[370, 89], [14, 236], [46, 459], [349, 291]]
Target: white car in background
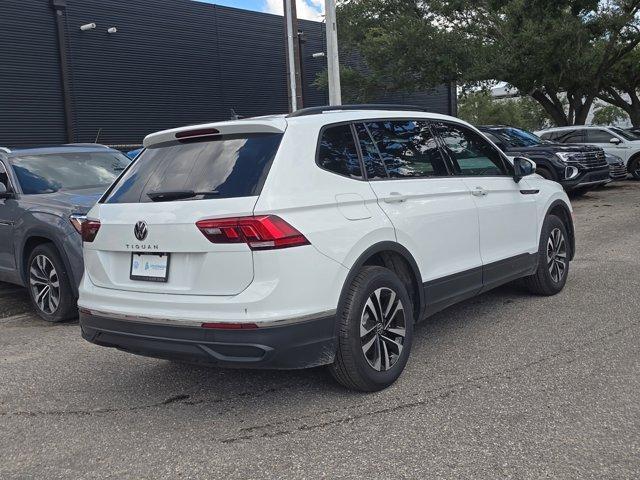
[[613, 140], [317, 238]]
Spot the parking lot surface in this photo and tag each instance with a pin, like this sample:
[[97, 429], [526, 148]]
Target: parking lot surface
[[503, 385]]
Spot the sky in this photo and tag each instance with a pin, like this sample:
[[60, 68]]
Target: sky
[[307, 9]]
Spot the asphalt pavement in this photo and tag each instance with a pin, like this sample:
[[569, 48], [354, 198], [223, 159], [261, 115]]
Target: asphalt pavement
[[506, 385]]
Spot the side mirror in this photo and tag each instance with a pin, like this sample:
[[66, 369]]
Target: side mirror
[[615, 141], [523, 167]]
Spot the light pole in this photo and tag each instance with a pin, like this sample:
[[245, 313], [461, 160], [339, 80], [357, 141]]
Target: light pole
[[333, 65], [294, 75]]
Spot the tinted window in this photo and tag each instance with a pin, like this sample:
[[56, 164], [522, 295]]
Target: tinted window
[[470, 153], [67, 171], [570, 136], [231, 166], [370, 155], [498, 141], [515, 137], [4, 178], [598, 136], [338, 152], [408, 149], [550, 136]]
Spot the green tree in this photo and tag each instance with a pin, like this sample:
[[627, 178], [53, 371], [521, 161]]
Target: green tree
[[622, 90], [609, 115], [480, 108], [556, 51]]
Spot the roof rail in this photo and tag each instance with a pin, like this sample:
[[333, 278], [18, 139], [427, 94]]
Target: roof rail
[[337, 108], [5, 150]]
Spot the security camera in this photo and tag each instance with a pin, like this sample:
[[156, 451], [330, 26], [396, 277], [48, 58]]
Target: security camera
[[112, 30], [318, 55], [88, 26]]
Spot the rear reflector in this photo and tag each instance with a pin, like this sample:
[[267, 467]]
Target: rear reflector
[[229, 326], [89, 230], [267, 232]]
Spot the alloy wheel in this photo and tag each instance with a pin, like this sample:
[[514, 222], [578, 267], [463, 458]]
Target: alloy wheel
[[557, 255], [45, 284], [382, 329]]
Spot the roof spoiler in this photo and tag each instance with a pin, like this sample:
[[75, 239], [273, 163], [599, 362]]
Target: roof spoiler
[[216, 129]]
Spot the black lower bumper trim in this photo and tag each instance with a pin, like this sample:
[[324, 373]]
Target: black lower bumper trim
[[299, 345], [588, 178]]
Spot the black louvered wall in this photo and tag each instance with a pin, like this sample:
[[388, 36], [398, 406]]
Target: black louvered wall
[[31, 102], [171, 63]]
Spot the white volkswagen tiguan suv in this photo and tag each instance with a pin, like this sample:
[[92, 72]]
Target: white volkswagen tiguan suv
[[317, 238]]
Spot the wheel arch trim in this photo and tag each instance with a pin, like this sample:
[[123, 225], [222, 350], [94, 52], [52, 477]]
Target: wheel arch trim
[[380, 247], [569, 220], [42, 233]]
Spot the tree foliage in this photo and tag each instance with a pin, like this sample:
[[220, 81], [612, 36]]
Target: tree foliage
[[622, 88], [480, 108], [609, 115], [549, 49]]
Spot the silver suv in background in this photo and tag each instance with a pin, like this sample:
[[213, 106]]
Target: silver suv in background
[[44, 196], [614, 141]]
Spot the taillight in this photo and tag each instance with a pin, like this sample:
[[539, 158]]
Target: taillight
[[89, 230], [265, 232]]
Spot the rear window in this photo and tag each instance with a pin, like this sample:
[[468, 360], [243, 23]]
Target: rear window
[[228, 166], [49, 173]]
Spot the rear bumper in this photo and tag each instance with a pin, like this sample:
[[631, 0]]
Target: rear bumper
[[305, 344]]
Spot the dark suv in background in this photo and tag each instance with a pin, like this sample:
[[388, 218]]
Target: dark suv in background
[[577, 168]]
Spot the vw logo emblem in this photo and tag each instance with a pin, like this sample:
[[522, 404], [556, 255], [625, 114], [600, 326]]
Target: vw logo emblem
[[140, 230]]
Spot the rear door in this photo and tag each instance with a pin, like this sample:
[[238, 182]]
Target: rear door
[[507, 210], [225, 173], [432, 211]]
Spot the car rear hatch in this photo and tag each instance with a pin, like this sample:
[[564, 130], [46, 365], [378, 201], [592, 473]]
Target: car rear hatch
[[147, 239]]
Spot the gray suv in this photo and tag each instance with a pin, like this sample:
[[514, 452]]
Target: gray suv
[[44, 196]]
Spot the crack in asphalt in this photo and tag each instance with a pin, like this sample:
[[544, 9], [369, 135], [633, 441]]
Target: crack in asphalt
[[167, 401], [178, 398]]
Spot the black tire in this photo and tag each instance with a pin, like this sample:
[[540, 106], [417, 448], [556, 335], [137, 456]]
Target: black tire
[[545, 173], [544, 282], [65, 308], [634, 167], [354, 368]]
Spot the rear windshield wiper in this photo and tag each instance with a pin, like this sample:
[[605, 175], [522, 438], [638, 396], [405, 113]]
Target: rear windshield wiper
[[177, 195]]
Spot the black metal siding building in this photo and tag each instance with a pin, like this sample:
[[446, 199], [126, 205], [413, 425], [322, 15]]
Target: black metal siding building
[[170, 63]]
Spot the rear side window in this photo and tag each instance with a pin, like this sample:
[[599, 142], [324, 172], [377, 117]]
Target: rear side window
[[470, 153], [408, 149], [337, 152], [229, 166], [4, 177], [570, 136]]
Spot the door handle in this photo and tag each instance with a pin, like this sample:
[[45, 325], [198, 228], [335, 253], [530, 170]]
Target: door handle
[[479, 192], [395, 197]]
